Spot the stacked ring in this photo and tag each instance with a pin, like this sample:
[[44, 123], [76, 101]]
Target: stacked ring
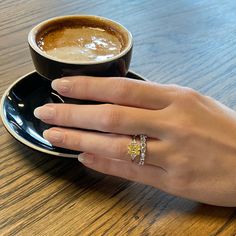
[[136, 149]]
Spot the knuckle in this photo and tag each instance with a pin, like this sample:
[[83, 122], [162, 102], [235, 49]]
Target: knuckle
[[185, 133], [192, 94], [186, 95], [61, 117], [73, 142], [173, 87], [77, 142], [67, 115], [122, 89], [111, 118], [182, 126], [119, 150], [81, 87], [64, 140], [181, 129]]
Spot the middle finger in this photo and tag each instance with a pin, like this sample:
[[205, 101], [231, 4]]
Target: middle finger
[[106, 118], [109, 145]]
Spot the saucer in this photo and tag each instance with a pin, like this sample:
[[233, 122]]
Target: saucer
[[17, 106]]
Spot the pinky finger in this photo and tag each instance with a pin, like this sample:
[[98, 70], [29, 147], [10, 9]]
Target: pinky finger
[[147, 174]]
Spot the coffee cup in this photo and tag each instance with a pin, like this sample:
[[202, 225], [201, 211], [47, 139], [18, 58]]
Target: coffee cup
[[80, 45]]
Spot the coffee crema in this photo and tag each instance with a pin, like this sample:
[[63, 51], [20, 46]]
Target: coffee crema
[[80, 43]]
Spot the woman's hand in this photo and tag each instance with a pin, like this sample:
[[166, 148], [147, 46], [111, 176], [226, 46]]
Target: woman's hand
[[191, 145]]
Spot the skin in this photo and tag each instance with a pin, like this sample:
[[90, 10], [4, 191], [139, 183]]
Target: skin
[[191, 145]]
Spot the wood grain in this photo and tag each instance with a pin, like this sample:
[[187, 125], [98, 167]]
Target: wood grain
[[191, 43]]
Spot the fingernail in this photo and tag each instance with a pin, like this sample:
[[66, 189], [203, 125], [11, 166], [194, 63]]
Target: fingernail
[[85, 158], [62, 85], [44, 112], [53, 136]]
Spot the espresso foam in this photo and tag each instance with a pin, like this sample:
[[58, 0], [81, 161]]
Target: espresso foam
[[80, 44]]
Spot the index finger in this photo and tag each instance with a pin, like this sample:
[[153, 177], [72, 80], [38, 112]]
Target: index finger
[[118, 90]]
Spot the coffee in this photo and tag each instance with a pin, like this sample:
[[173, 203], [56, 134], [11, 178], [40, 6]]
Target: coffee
[[80, 43]]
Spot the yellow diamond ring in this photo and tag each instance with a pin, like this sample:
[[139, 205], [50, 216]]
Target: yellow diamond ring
[[134, 148]]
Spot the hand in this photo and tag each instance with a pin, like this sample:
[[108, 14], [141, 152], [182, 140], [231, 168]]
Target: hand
[[191, 146]]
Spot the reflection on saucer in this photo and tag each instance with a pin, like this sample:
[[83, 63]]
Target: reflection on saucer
[[18, 104]]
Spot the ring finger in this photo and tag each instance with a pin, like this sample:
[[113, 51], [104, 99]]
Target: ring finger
[[109, 145]]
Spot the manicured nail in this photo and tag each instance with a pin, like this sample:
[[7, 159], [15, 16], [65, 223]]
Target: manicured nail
[[44, 112], [53, 136], [62, 85], [85, 158]]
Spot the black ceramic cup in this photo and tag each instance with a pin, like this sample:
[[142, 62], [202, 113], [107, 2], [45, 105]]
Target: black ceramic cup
[[52, 67]]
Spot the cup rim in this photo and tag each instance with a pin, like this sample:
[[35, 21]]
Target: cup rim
[[34, 46]]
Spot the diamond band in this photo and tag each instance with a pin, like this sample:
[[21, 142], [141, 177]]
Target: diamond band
[[143, 147]]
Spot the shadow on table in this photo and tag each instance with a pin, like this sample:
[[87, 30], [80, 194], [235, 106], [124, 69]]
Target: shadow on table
[[144, 198]]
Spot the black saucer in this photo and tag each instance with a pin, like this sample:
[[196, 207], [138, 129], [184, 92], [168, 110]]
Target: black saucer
[[18, 104]]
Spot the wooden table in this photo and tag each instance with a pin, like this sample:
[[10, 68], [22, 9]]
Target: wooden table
[[188, 42]]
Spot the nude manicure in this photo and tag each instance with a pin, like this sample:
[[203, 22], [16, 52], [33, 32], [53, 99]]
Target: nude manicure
[[62, 85], [45, 113]]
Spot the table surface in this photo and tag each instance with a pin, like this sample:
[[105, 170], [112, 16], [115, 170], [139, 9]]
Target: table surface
[[187, 42]]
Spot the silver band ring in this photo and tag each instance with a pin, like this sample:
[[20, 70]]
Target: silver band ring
[[143, 149]]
